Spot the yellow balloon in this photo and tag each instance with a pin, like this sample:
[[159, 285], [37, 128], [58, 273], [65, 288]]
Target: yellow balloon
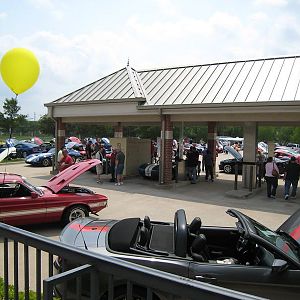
[[19, 69]]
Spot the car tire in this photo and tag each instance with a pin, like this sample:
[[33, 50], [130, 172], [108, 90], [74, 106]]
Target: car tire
[[78, 159], [227, 169], [24, 154], [46, 162], [74, 212], [74, 159]]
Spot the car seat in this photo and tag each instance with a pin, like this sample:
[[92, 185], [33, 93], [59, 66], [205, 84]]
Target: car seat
[[199, 250], [144, 236]]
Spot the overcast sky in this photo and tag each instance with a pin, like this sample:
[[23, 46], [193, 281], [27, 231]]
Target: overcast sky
[[77, 42]]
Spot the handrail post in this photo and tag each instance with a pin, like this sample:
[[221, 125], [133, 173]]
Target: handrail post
[[236, 172], [251, 179]]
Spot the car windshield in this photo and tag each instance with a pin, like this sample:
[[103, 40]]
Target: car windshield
[[34, 188], [281, 241]]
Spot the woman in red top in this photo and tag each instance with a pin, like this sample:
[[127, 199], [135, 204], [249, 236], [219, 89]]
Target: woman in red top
[[66, 161]]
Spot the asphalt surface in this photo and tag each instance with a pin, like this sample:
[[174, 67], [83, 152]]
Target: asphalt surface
[[208, 200]]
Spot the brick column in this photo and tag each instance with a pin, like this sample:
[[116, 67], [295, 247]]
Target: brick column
[[211, 140], [118, 131], [166, 149]]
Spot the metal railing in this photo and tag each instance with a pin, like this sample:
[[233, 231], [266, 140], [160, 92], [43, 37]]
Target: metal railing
[[36, 263]]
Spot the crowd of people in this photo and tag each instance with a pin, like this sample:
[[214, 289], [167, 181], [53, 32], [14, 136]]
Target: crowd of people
[[94, 149], [291, 178], [193, 164]]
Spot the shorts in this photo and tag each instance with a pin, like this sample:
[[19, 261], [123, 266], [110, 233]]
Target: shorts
[[119, 169], [99, 169]]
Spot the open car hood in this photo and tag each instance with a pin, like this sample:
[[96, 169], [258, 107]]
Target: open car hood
[[292, 226], [57, 182], [233, 152]]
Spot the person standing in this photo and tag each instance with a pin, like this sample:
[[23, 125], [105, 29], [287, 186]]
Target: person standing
[[120, 161], [209, 165], [113, 165], [192, 158], [99, 167], [88, 149], [271, 177], [291, 177], [66, 160]]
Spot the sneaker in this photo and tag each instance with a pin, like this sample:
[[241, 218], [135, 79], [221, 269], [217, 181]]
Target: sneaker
[[286, 197], [293, 197], [272, 196], [118, 183]]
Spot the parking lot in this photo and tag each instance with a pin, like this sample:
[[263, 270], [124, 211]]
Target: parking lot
[[140, 197]]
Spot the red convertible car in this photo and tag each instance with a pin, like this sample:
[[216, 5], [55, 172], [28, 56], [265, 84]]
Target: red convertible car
[[21, 203]]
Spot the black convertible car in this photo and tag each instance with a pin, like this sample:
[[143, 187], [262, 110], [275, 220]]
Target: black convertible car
[[249, 257], [228, 165]]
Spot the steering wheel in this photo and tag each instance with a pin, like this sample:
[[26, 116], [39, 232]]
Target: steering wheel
[[246, 250], [180, 233]]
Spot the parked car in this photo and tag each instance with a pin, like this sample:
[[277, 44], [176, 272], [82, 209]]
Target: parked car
[[293, 145], [287, 153], [46, 159], [22, 203], [228, 165], [7, 151], [151, 170], [249, 257], [24, 149]]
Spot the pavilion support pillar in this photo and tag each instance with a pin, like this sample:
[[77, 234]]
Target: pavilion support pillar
[[118, 130], [211, 140], [249, 154], [60, 137], [165, 166]]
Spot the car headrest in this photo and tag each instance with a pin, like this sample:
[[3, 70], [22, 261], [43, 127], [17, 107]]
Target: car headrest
[[147, 222], [195, 225]]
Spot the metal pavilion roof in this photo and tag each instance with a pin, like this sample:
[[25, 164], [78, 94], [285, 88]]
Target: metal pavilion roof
[[261, 80]]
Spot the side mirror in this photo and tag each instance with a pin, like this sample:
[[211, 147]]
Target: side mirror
[[279, 265], [34, 195]]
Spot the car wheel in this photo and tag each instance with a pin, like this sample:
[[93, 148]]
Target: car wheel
[[228, 169], [75, 212], [46, 162], [24, 154], [78, 159]]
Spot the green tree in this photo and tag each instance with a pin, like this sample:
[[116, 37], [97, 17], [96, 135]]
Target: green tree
[[46, 125], [10, 118]]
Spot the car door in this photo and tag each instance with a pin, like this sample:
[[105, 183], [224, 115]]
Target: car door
[[20, 207], [256, 280]]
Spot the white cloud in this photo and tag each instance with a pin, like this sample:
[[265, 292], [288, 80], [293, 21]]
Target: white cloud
[[271, 2], [69, 62], [3, 15]]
